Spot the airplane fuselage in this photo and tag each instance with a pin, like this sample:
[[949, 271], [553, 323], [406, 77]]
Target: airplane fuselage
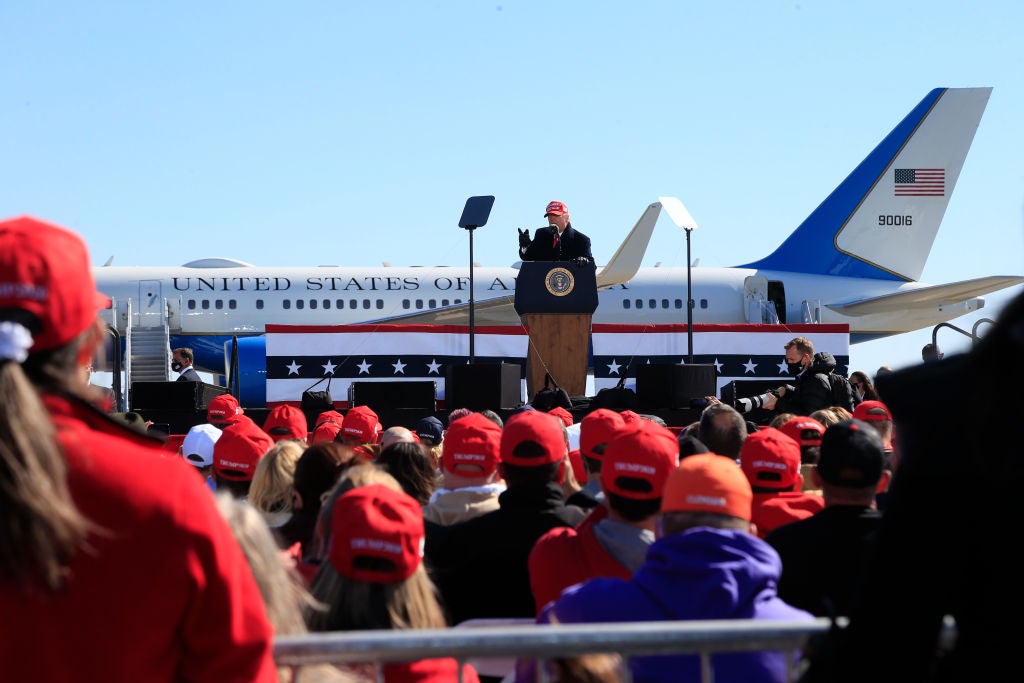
[[243, 300]]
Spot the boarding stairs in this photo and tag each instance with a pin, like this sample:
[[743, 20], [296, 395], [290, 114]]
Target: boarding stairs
[[148, 348]]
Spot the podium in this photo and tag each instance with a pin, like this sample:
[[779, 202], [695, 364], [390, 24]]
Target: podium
[[557, 300]]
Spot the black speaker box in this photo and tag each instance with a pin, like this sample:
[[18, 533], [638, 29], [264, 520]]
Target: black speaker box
[[383, 396], [484, 386], [173, 395], [674, 385]]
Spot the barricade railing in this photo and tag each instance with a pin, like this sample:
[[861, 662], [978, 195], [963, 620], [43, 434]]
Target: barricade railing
[[545, 642]]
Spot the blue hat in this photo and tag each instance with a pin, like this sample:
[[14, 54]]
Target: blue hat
[[430, 430]]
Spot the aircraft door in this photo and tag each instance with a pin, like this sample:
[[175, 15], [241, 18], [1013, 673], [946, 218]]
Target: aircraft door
[[150, 307], [759, 308]]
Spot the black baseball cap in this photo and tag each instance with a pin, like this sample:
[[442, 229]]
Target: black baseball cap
[[852, 454]]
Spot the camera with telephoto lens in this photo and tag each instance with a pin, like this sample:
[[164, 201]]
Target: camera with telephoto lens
[[745, 405]]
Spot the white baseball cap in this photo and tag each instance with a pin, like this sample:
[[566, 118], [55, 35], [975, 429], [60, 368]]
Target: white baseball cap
[[197, 447]]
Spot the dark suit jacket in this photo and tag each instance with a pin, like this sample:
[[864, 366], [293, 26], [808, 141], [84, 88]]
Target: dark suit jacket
[[571, 245], [189, 375]]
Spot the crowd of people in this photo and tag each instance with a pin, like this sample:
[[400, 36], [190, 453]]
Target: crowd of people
[[340, 522]]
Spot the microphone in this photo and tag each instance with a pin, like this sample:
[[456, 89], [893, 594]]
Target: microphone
[[553, 229]]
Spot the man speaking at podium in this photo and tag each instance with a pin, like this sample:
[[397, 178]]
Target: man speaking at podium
[[557, 242]]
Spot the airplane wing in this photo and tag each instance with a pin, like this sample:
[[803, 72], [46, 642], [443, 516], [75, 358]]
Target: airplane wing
[[927, 297], [498, 311]]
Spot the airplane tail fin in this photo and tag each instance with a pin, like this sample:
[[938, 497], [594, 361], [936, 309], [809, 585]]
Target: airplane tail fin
[[881, 221], [625, 262]]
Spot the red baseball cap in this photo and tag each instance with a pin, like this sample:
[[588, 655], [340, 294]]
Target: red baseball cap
[[556, 209], [806, 431], [472, 446], [708, 483], [376, 535], [361, 425], [532, 438], [770, 459], [286, 422], [44, 270], [223, 409], [638, 460], [596, 429], [872, 411], [239, 449], [562, 414], [328, 424]]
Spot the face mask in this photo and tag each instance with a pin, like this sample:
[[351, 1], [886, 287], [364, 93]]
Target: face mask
[[794, 368], [176, 366]]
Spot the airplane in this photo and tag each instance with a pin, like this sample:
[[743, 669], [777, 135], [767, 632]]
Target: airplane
[[855, 260]]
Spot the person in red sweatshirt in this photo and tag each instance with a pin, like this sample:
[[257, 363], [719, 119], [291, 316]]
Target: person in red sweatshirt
[[771, 462], [116, 565], [635, 465]]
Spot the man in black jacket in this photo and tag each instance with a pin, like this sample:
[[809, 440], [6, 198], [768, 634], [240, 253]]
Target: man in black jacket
[[810, 389], [480, 565], [557, 242]]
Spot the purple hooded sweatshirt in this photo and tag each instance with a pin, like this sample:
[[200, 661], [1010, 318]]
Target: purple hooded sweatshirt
[[701, 573]]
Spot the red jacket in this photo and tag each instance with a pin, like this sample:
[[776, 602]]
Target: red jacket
[[564, 557], [161, 593]]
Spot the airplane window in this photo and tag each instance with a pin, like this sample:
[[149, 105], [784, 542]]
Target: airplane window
[[327, 303], [232, 304], [458, 301], [286, 304], [419, 304], [433, 303], [678, 303], [353, 304], [625, 303], [380, 304], [206, 304], [444, 302], [366, 303], [639, 304], [259, 304], [300, 304], [218, 304], [339, 304], [312, 304], [664, 303], [405, 304], [651, 303], [703, 303], [191, 304]]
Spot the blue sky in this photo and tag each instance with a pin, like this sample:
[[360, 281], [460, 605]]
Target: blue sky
[[351, 133]]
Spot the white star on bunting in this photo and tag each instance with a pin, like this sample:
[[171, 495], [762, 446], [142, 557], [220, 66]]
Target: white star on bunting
[[613, 367], [399, 367], [750, 366], [364, 367], [433, 367], [293, 369], [329, 368]]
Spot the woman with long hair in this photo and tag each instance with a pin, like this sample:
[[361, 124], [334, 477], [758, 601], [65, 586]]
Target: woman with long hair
[[105, 542], [375, 579], [863, 386]]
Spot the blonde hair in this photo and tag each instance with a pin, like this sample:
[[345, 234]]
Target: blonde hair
[[362, 605], [271, 488], [280, 586], [41, 529], [409, 604]]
